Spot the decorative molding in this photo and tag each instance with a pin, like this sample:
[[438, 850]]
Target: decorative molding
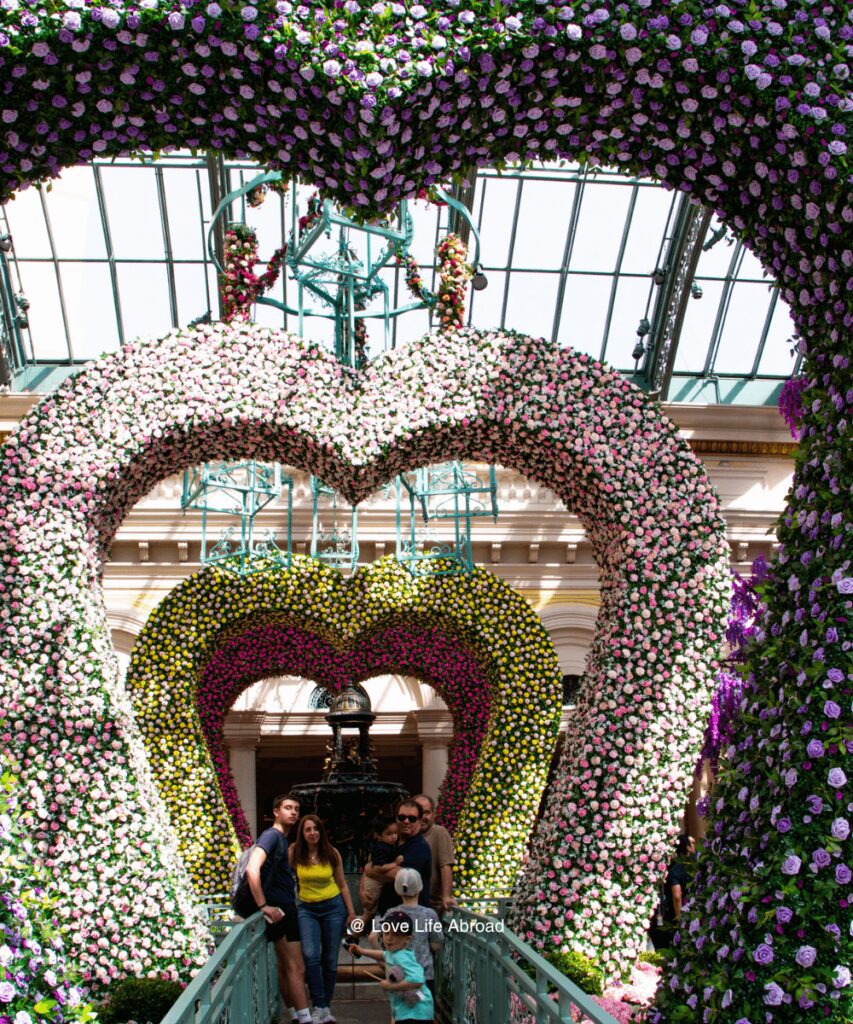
[[778, 449], [541, 599]]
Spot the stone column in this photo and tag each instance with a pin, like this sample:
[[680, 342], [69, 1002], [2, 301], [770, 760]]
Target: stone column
[[241, 757], [435, 731]]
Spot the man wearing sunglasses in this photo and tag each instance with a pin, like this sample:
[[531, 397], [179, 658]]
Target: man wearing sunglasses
[[415, 852]]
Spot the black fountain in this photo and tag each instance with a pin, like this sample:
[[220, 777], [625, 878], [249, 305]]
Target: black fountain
[[350, 793]]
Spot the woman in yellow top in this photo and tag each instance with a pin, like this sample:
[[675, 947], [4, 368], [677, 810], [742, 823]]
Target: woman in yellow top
[[325, 909]]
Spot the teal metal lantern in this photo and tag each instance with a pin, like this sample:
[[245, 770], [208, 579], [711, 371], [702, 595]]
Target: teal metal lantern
[[447, 493], [239, 490], [333, 542]]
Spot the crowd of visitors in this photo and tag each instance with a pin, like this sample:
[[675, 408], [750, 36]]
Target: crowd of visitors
[[295, 877]]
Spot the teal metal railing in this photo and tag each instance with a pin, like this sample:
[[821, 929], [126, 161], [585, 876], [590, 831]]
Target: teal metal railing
[[482, 978], [237, 985]]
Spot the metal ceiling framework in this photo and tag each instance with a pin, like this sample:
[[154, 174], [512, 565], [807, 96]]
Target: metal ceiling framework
[[654, 260]]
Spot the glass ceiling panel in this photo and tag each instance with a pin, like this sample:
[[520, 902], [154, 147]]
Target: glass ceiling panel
[[530, 299], [699, 319], [631, 296], [194, 298], [651, 211], [776, 357], [88, 295], [614, 229], [584, 311], [540, 239], [597, 249], [46, 315], [144, 294], [495, 207], [183, 189], [745, 318], [132, 209], [73, 216]]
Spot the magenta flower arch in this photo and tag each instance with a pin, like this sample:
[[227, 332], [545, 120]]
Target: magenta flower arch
[[425, 652]]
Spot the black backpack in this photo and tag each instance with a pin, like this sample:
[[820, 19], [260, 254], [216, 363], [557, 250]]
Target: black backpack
[[239, 885]]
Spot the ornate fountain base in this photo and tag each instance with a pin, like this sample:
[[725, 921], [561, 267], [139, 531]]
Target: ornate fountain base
[[348, 807]]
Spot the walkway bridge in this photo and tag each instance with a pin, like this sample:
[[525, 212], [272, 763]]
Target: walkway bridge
[[485, 974]]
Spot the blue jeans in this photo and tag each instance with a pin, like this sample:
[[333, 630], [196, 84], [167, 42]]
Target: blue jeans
[[321, 930]]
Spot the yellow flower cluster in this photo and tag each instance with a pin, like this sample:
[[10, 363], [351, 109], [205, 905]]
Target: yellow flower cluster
[[172, 690]]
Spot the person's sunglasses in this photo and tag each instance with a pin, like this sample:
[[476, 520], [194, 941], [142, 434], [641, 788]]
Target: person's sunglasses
[[407, 817]]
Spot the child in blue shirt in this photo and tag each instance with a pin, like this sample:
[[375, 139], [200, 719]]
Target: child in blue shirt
[[410, 998]]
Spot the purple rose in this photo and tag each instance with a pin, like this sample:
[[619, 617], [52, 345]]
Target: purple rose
[[763, 954], [7, 992], [842, 874], [815, 804], [806, 956], [784, 915], [836, 778], [783, 825], [841, 977], [821, 858], [791, 865], [815, 748], [773, 994], [831, 709], [176, 21], [840, 828], [835, 675]]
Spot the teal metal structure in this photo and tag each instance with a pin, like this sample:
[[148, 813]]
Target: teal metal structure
[[486, 973], [239, 490], [448, 493], [238, 983], [333, 544], [348, 280]]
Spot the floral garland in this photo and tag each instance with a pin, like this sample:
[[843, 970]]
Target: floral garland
[[35, 976], [88, 451], [479, 643], [240, 285], [454, 274]]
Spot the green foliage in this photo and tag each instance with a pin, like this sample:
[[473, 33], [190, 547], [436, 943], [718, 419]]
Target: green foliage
[[655, 957], [581, 969], [144, 1000], [577, 967]]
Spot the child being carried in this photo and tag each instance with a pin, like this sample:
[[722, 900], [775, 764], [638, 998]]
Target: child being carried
[[384, 854]]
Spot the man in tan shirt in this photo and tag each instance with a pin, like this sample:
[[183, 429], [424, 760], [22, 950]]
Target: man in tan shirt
[[443, 859]]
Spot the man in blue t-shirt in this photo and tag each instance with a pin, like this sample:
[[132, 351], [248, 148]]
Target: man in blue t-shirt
[[415, 852], [270, 888]]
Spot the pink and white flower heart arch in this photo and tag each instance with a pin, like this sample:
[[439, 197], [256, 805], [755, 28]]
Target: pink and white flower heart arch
[[90, 450]]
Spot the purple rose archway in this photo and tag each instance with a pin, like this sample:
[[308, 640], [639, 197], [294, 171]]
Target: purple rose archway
[[88, 451], [746, 107], [477, 641]]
